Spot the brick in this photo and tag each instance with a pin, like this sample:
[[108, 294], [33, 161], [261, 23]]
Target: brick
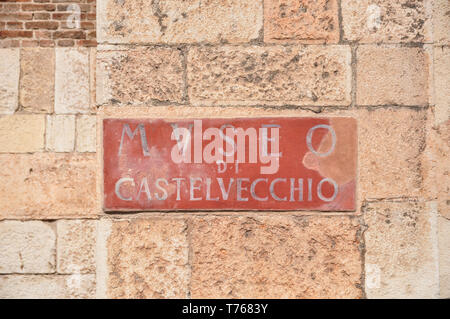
[[15, 34], [47, 186], [384, 21], [49, 25], [76, 246], [444, 257], [275, 257], [165, 21], [119, 80], [441, 84], [9, 83], [47, 286], [22, 133], [441, 21], [72, 81], [392, 76], [27, 247], [312, 75], [301, 22], [37, 80], [145, 258], [86, 133], [66, 43], [401, 253], [60, 135], [390, 145], [72, 34]]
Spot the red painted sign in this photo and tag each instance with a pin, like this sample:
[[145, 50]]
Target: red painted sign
[[230, 164]]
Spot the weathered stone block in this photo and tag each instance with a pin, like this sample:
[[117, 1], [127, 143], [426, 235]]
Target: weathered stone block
[[21, 133], [441, 21], [159, 76], [442, 83], [168, 21], [401, 250], [301, 21], [145, 258], [9, 80], [47, 286], [72, 81], [37, 80], [391, 142], [27, 247], [444, 257], [384, 21], [86, 133], [47, 185], [392, 76], [76, 246], [60, 134], [313, 75], [275, 257]]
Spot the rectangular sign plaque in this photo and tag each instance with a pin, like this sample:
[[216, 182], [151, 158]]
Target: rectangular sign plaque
[[230, 164]]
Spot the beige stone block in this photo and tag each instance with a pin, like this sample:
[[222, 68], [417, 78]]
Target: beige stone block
[[47, 286], [9, 80], [275, 257], [385, 21], [436, 167], [37, 80], [22, 133], [72, 94], [391, 142], [442, 83], [392, 76], [76, 246], [301, 21], [27, 247], [444, 257], [276, 75], [86, 133], [60, 135], [168, 21], [159, 76], [145, 258], [47, 186], [441, 21], [401, 250]]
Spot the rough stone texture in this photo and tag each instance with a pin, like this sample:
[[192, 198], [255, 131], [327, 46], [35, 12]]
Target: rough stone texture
[[27, 247], [275, 257], [72, 81], [436, 168], [47, 185], [442, 83], [168, 21], [37, 80], [385, 21], [86, 133], [148, 258], [441, 21], [392, 76], [312, 75], [301, 21], [47, 286], [60, 135], [401, 250], [22, 133], [444, 257], [76, 246], [390, 145], [9, 80], [159, 76]]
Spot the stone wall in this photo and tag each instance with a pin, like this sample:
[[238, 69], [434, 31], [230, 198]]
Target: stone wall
[[385, 63]]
